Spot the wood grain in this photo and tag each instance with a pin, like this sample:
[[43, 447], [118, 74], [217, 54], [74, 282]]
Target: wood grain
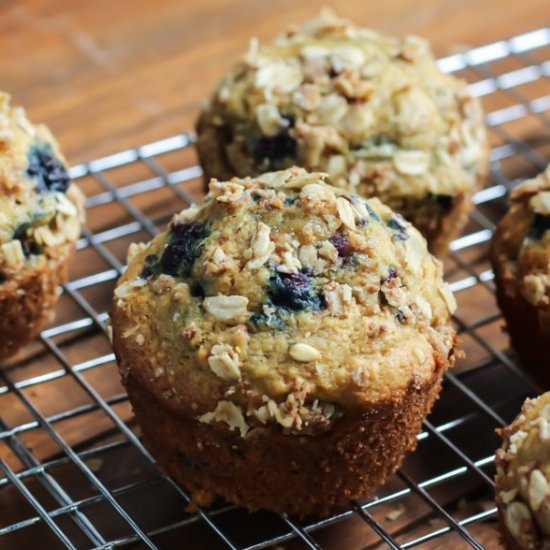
[[108, 75]]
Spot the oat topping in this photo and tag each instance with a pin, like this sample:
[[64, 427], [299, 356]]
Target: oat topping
[[228, 413], [338, 298], [224, 362], [262, 247], [300, 281], [540, 203], [13, 254], [448, 296], [133, 250], [345, 211], [373, 112], [523, 470], [229, 309], [40, 209], [125, 289]]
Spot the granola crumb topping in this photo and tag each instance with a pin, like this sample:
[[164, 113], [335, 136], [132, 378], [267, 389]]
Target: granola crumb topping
[[373, 112], [40, 210], [522, 480], [289, 300], [229, 414]]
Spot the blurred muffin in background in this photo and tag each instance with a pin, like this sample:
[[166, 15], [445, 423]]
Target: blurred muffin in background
[[520, 255], [374, 113], [41, 213]]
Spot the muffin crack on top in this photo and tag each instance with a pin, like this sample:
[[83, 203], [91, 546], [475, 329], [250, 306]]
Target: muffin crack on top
[[282, 305], [373, 112], [41, 213]]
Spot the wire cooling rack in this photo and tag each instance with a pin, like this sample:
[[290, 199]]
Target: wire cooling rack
[[73, 470]]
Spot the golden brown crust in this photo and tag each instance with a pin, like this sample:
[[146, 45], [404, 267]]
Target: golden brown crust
[[268, 469], [27, 300]]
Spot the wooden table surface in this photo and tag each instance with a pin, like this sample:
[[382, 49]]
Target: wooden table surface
[[107, 75], [110, 74]]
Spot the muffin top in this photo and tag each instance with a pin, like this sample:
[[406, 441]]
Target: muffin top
[[373, 112], [524, 241], [523, 474], [280, 298], [40, 210]]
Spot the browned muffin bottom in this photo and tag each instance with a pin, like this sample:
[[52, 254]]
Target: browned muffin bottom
[[27, 302], [520, 256], [301, 475]]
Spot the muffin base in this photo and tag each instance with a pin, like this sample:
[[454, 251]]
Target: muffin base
[[529, 337], [27, 301], [300, 475], [211, 151]]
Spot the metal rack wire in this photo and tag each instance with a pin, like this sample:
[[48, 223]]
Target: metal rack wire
[[74, 472]]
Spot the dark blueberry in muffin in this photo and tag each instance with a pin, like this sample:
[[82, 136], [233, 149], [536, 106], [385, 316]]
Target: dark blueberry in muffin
[[540, 225], [197, 290], [183, 248], [293, 291], [275, 148], [445, 202], [401, 315], [371, 212], [50, 173], [341, 243], [289, 201], [149, 266], [261, 320], [28, 244], [397, 225], [392, 274]]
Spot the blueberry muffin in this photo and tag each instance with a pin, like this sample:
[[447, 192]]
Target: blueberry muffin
[[373, 112], [40, 217], [520, 255], [523, 477], [282, 342]]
